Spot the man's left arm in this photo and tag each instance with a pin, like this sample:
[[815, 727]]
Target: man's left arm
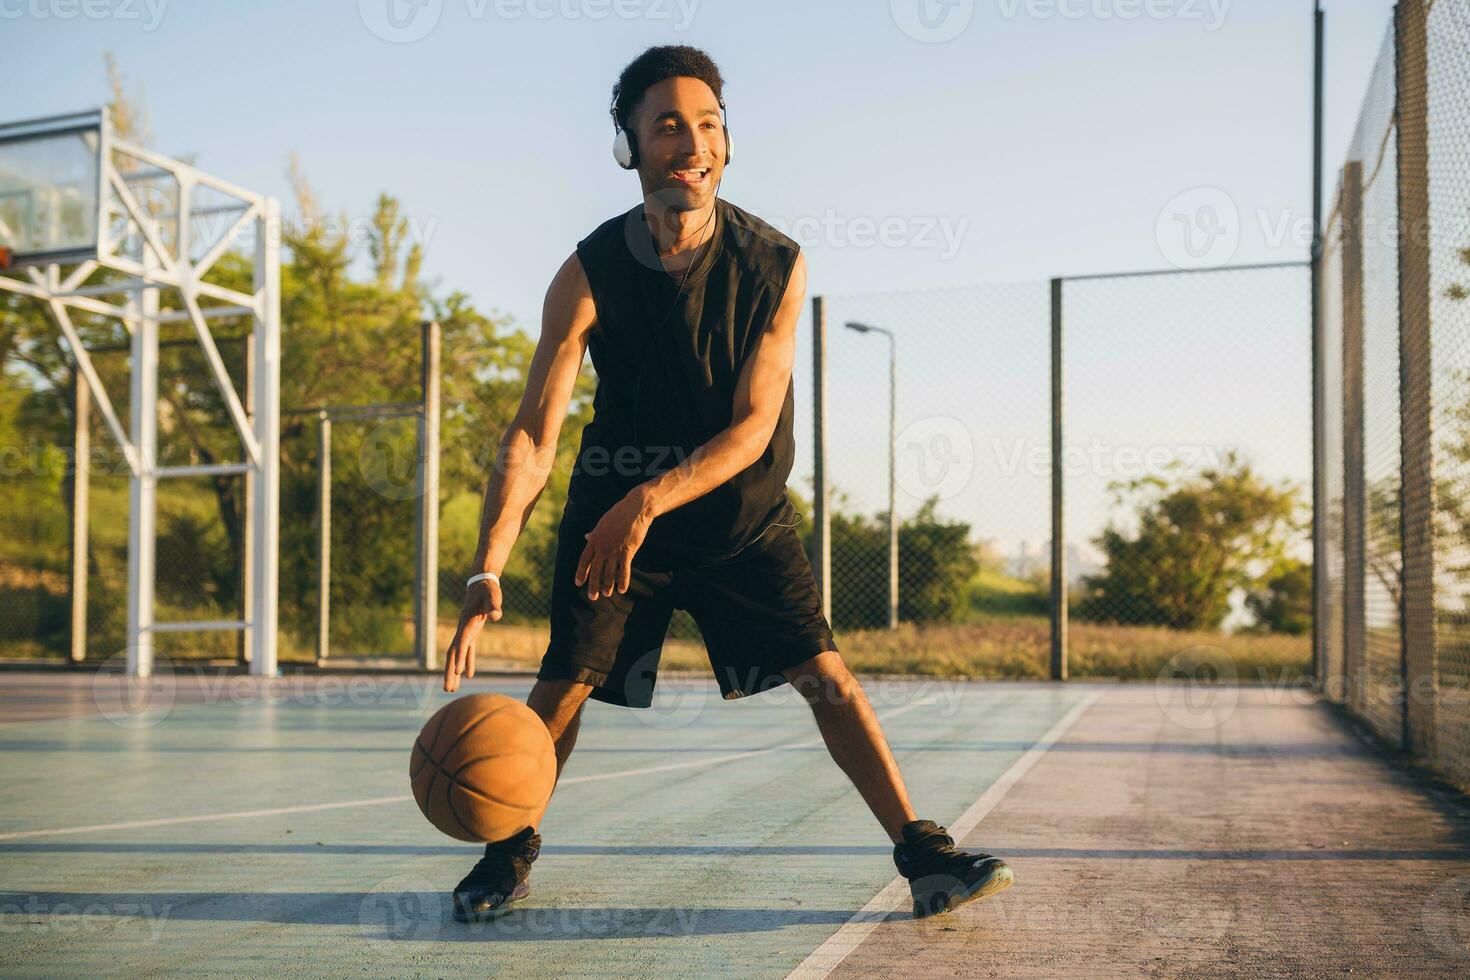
[[760, 392]]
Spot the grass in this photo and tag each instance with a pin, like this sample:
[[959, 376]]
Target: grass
[[994, 594], [1019, 647], [1001, 647]]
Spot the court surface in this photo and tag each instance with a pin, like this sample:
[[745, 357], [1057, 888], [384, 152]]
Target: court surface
[[239, 827]]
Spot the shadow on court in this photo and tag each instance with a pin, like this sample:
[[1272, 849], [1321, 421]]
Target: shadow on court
[[1013, 854], [444, 850], [407, 916]]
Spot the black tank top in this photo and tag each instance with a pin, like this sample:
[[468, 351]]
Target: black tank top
[[666, 376]]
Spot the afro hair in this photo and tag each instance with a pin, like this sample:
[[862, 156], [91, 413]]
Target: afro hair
[[655, 65]]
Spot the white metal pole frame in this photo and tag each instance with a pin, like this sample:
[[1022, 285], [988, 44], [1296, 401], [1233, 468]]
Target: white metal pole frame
[[143, 484], [134, 241]]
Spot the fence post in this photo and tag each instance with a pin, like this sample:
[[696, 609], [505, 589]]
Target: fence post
[[81, 477], [324, 535], [892, 482], [822, 532], [1058, 536], [426, 506], [1354, 533], [1417, 617], [1319, 429]]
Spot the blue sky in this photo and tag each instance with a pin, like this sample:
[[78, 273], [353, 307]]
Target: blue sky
[[1045, 137]]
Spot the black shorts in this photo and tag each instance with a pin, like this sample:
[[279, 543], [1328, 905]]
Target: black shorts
[[759, 612]]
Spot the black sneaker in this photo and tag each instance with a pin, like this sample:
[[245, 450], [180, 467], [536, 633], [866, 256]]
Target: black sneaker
[[498, 880], [940, 876]]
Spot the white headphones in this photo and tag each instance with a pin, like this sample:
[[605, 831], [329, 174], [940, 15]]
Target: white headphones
[[625, 148]]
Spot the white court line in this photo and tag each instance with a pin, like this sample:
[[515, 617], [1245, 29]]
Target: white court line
[[169, 821], [824, 959], [380, 800]]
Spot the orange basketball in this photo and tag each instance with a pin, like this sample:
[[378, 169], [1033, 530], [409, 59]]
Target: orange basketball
[[483, 767]]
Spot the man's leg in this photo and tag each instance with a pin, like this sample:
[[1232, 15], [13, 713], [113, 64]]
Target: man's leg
[[560, 703], [850, 728], [940, 876], [499, 878]]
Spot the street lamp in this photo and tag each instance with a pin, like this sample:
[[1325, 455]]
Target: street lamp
[[892, 478]]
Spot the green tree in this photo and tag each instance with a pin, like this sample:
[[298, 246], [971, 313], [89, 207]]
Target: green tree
[[1197, 540], [936, 562], [1282, 601]]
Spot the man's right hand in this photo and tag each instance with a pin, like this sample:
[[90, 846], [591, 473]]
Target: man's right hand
[[482, 603]]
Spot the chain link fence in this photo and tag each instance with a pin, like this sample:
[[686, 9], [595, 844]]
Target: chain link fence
[[348, 497], [57, 571], [36, 446], [1447, 53], [937, 400], [200, 520], [371, 490], [1185, 395], [971, 475], [1395, 639], [358, 588], [360, 501], [1186, 463]]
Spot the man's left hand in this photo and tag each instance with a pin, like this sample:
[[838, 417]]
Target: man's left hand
[[607, 561]]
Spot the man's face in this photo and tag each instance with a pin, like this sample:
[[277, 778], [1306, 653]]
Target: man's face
[[681, 142]]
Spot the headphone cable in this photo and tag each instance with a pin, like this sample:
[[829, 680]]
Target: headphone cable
[[638, 388]]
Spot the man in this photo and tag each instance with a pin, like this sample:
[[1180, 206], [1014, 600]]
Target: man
[[689, 305]]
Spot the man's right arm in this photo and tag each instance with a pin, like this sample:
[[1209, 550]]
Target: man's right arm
[[528, 449], [526, 454]]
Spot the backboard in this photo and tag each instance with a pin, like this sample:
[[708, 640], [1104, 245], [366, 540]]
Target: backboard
[[50, 189]]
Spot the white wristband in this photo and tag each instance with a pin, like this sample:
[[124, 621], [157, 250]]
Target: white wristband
[[481, 577]]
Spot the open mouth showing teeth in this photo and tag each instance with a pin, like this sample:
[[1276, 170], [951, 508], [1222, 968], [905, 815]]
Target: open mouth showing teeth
[[690, 176]]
